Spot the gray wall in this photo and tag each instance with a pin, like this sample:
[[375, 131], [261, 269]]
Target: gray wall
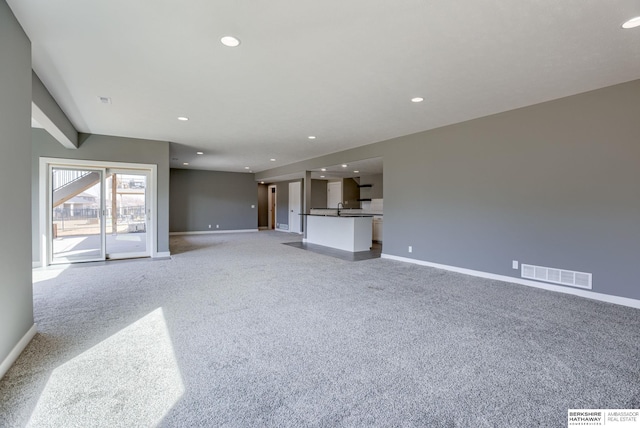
[[555, 184], [202, 198], [318, 193], [263, 205], [16, 298], [350, 193], [376, 189], [282, 204], [110, 149]]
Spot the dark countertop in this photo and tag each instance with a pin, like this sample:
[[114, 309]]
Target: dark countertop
[[334, 208], [342, 215]]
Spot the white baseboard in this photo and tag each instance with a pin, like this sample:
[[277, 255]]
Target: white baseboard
[[17, 350], [624, 301], [208, 232], [162, 254]]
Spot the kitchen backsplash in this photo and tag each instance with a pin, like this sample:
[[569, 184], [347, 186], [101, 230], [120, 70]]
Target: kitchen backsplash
[[372, 207]]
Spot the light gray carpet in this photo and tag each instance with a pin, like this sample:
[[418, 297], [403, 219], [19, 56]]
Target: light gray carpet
[[240, 330]]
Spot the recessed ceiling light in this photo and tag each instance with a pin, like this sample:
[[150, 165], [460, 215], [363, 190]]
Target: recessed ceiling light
[[356, 171], [246, 167], [185, 163], [230, 41], [344, 165], [199, 153], [323, 169], [417, 100], [262, 182], [322, 176], [272, 160], [632, 23], [183, 118], [312, 137]]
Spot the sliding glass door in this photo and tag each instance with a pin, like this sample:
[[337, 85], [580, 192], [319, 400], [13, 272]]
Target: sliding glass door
[[127, 213], [98, 214], [77, 226]]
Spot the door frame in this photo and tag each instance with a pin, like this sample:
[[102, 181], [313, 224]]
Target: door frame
[[45, 227]]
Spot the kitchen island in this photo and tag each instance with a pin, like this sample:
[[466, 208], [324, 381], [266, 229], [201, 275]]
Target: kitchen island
[[347, 232]]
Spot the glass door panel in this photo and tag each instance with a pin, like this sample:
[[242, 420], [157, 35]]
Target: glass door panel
[[76, 214], [127, 214]]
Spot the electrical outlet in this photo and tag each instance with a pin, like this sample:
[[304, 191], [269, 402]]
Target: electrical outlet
[[514, 264], [410, 249], [209, 226], [217, 226]]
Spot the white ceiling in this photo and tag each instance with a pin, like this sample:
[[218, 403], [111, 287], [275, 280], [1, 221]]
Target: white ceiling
[[341, 70], [352, 169]]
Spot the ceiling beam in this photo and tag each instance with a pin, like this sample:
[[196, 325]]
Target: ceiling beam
[[46, 111]]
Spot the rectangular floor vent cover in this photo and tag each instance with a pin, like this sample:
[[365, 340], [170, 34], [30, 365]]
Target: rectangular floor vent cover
[[557, 276]]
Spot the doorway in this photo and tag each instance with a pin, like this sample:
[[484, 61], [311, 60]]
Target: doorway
[[272, 206], [93, 211]]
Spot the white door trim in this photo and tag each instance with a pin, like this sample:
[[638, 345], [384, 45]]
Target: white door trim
[[44, 232]]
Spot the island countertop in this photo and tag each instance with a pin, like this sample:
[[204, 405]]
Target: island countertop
[[343, 215], [343, 212]]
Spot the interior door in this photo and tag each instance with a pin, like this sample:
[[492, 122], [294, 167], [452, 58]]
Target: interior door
[[294, 207], [127, 214], [76, 208], [334, 194]]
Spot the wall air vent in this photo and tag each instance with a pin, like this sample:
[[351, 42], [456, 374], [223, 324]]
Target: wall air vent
[[557, 276]]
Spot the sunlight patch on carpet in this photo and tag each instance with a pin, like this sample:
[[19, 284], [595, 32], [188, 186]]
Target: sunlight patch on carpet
[[130, 379], [47, 273]]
